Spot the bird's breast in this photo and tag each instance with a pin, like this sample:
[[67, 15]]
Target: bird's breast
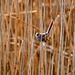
[[38, 38]]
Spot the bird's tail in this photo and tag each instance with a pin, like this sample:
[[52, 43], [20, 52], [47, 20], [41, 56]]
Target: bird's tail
[[50, 27], [51, 24]]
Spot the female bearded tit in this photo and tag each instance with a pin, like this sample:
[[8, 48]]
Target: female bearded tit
[[44, 36]]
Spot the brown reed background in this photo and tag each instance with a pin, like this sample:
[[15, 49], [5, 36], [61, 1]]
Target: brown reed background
[[21, 53]]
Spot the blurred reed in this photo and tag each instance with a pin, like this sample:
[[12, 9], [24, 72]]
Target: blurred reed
[[21, 53]]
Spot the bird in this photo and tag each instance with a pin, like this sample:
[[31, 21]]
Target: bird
[[44, 36]]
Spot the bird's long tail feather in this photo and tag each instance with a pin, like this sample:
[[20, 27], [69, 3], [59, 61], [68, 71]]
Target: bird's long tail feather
[[50, 27]]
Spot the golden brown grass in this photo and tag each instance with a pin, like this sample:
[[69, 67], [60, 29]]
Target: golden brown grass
[[21, 53]]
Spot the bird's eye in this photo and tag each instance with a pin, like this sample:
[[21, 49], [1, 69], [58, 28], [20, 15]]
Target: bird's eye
[[37, 34]]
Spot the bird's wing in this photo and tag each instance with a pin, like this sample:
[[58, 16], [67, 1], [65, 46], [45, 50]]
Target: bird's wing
[[44, 35]]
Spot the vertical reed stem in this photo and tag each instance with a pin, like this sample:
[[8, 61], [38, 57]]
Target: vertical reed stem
[[74, 48], [23, 52]]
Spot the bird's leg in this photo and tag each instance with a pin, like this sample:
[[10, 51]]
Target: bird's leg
[[46, 40]]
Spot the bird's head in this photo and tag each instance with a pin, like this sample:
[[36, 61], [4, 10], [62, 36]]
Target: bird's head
[[37, 34]]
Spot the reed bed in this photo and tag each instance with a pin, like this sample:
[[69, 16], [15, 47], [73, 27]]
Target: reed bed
[[21, 53]]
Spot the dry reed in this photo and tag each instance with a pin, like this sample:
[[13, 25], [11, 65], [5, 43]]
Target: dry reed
[[21, 53]]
